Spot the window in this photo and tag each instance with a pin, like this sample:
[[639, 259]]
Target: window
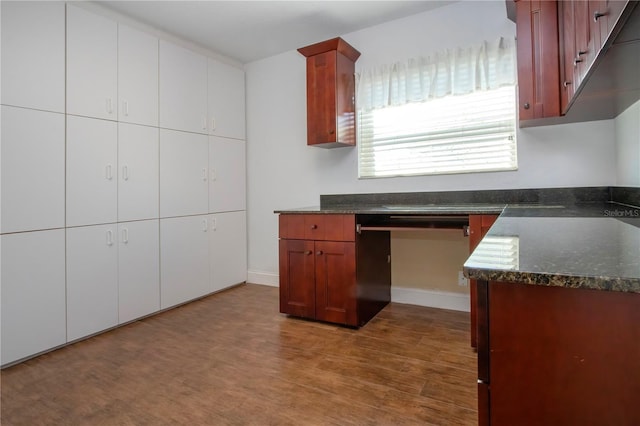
[[453, 114]]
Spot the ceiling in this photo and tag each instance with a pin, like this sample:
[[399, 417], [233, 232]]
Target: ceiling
[[250, 30]]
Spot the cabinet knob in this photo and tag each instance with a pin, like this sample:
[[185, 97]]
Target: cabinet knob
[[576, 61], [582, 52], [331, 131], [308, 252], [319, 252], [526, 105], [566, 83], [597, 15], [314, 226]]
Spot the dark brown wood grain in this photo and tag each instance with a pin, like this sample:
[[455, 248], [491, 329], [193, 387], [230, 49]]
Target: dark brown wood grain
[[538, 59], [329, 276], [336, 298], [478, 227], [373, 273], [233, 359], [562, 356], [330, 93], [297, 278]]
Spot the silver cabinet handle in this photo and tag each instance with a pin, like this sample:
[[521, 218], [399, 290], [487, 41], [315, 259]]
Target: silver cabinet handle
[[597, 15]]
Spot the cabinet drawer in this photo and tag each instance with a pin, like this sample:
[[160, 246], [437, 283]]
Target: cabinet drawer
[[319, 227]]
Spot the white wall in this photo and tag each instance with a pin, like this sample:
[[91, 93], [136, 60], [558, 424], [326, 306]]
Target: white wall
[[628, 146], [284, 173]]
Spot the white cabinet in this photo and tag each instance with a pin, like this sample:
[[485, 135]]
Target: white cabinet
[[33, 54], [184, 259], [228, 249], [92, 64], [138, 172], [227, 179], [92, 280], [137, 77], [183, 173], [32, 152], [138, 269], [33, 293], [226, 100], [92, 171], [183, 89]]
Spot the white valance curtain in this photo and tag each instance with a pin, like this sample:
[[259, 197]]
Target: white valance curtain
[[489, 65]]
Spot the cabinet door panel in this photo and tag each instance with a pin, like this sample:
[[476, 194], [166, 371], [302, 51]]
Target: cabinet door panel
[[226, 100], [184, 186], [33, 293], [32, 153], [538, 59], [321, 98], [138, 269], [92, 58], [297, 278], [228, 249], [92, 280], [33, 54], [92, 171], [184, 259], [335, 282], [137, 77], [227, 184], [138, 172], [183, 89]]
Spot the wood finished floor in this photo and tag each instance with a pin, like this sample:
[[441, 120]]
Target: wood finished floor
[[233, 359]]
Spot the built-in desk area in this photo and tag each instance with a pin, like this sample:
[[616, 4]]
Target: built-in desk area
[[555, 289]]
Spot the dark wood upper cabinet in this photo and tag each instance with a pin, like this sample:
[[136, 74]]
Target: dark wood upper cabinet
[[331, 120], [577, 60], [538, 66]]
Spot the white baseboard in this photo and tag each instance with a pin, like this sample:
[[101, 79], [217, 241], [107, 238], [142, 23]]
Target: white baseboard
[[263, 278], [411, 296], [431, 298]]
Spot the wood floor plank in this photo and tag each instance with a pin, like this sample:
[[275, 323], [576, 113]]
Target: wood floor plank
[[233, 359]]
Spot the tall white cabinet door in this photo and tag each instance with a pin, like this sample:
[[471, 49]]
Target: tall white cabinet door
[[226, 100], [184, 259], [228, 175], [32, 152], [138, 269], [92, 280], [33, 54], [228, 249], [138, 172], [137, 77], [183, 89], [183, 173], [92, 64], [33, 293], [92, 171]]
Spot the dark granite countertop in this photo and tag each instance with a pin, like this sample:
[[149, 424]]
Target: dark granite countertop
[[594, 246], [439, 209], [569, 237]]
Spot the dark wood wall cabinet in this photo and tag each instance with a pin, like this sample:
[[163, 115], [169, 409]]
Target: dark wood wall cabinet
[[577, 60], [328, 272], [331, 120], [557, 356]]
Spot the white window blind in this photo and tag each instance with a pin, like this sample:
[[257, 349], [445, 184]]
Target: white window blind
[[454, 134], [453, 113]]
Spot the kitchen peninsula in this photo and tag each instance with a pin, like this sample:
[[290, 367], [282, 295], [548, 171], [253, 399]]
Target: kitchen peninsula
[[558, 302]]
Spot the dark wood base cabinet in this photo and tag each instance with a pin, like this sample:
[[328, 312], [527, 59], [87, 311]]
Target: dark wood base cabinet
[[557, 356], [330, 273]]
